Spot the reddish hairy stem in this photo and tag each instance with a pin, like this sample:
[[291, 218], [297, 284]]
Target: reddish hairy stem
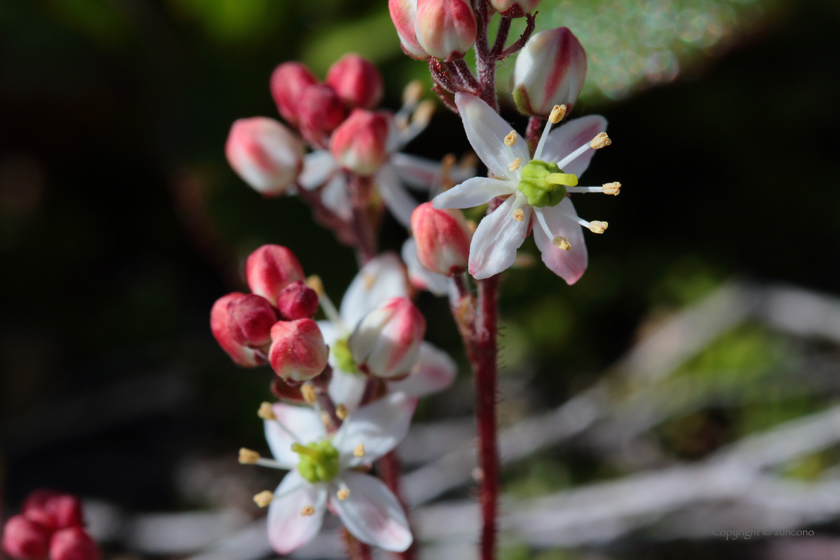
[[533, 133], [501, 36], [388, 469], [355, 549], [529, 29], [359, 190], [466, 75]]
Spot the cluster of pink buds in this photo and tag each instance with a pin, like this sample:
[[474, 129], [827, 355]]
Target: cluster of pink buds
[[51, 526], [273, 324]]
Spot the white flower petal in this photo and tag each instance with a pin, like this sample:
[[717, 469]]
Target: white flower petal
[[347, 388], [287, 528], [498, 236], [473, 192], [329, 331], [486, 131], [380, 279], [569, 137], [398, 200], [416, 172], [303, 423], [335, 198], [569, 265], [434, 372], [372, 513], [318, 166], [379, 427], [421, 277]]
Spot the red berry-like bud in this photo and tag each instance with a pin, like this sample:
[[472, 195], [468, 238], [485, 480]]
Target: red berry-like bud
[[446, 29], [219, 325], [514, 8], [53, 510], [360, 144], [271, 268], [287, 83], [298, 352], [73, 544], [25, 539], [357, 81], [297, 301], [386, 342], [320, 111], [443, 239], [265, 154], [250, 319], [404, 16]]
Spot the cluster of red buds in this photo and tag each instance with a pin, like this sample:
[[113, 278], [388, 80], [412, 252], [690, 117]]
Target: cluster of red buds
[[50, 526]]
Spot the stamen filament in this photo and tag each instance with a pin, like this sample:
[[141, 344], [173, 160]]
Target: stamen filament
[[270, 463], [543, 139], [609, 188], [543, 223], [573, 156], [330, 311], [578, 219]]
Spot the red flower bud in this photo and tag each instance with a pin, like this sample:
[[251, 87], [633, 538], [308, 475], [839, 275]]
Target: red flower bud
[[357, 81], [287, 83], [514, 8], [297, 301], [219, 325], [446, 29], [271, 268], [360, 144], [53, 510], [404, 16], [443, 239], [386, 342], [320, 110], [549, 71], [250, 319], [25, 539], [73, 544], [265, 154], [298, 352]]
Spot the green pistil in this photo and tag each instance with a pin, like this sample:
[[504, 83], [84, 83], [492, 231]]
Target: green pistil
[[544, 184], [343, 356], [318, 461]]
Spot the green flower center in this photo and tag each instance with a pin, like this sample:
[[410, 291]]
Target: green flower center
[[318, 461], [544, 184], [343, 356]]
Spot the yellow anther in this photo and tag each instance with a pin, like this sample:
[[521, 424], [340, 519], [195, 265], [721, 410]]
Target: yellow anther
[[600, 141], [309, 394], [524, 260], [423, 114], [264, 498], [413, 92], [343, 494], [248, 457], [518, 215], [472, 224], [557, 114], [598, 227], [359, 451], [369, 280], [562, 243], [266, 412], [314, 283], [515, 165], [510, 139], [308, 511], [341, 411], [325, 419], [612, 188], [468, 161]]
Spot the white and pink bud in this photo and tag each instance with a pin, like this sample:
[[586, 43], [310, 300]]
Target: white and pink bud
[[265, 154], [357, 81], [53, 509], [360, 144], [443, 239], [25, 539], [298, 352], [73, 544], [386, 342], [445, 29], [287, 83], [250, 319], [219, 325], [550, 70], [320, 111], [514, 8], [271, 268], [404, 16], [297, 301]]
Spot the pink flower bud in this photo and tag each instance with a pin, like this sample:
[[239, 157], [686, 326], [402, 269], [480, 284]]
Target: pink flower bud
[[445, 29], [265, 154], [404, 16], [357, 81], [320, 110], [549, 71], [298, 352], [219, 325], [386, 342], [443, 239], [287, 83], [360, 143], [25, 539], [271, 268], [250, 319], [514, 8], [73, 544], [297, 301]]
